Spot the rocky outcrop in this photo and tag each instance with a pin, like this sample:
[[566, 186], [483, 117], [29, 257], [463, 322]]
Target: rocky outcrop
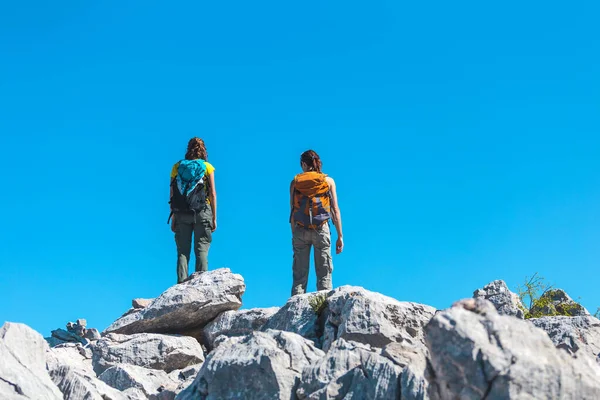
[[70, 367], [76, 332], [152, 383], [23, 372], [413, 361], [556, 302], [505, 301], [577, 335], [353, 316], [237, 323], [348, 343], [356, 314], [186, 306], [184, 377], [387, 326], [297, 316], [261, 365], [476, 353], [149, 350], [350, 371]]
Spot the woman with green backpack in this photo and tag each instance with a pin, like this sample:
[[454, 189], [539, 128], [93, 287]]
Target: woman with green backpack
[[193, 203]]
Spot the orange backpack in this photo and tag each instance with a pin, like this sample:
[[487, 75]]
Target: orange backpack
[[312, 200]]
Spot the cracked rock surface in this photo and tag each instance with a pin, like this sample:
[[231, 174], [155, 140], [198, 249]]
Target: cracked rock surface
[[23, 372], [149, 350], [70, 367], [505, 301], [350, 371], [261, 365], [185, 306], [475, 353], [237, 323], [577, 335], [356, 314]]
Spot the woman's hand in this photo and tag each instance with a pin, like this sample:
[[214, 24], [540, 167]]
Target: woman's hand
[[214, 224], [339, 245]]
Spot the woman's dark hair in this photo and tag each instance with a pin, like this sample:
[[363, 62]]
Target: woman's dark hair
[[312, 159], [196, 150]]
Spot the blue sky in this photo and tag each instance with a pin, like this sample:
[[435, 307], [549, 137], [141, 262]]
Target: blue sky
[[463, 139]]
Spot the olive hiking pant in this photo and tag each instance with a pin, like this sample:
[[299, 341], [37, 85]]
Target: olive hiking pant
[[200, 226], [302, 240]]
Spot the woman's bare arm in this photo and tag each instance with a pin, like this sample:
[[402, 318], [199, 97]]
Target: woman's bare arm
[[171, 206], [292, 189], [336, 215], [213, 199]]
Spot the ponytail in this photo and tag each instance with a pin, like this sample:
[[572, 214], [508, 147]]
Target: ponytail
[[312, 159]]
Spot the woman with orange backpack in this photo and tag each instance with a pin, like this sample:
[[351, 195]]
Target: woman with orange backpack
[[313, 201]]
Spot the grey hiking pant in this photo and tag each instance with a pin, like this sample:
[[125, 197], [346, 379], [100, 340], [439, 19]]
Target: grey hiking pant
[[201, 229], [302, 240]]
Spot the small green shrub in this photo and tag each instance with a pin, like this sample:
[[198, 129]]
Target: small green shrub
[[530, 292], [318, 303], [541, 300]]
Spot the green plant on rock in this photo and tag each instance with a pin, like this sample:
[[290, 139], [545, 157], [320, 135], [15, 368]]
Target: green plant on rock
[[597, 313], [530, 292], [318, 303], [542, 300]]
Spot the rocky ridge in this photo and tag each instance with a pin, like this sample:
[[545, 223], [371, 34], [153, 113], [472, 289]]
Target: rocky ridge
[[192, 342]]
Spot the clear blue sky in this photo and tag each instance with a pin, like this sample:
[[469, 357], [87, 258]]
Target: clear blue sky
[[464, 139]]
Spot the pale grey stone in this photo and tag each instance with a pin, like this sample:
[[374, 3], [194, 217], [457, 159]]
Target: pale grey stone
[[149, 350], [356, 314], [350, 371], [92, 334], [74, 376], [141, 303], [23, 373], [237, 323], [261, 365], [577, 335], [184, 377], [70, 368], [297, 316], [186, 306], [505, 301], [475, 353], [154, 384], [413, 361]]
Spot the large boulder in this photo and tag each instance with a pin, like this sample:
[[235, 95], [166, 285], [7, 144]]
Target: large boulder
[[186, 306], [23, 373], [237, 323], [577, 335], [70, 368], [505, 301], [298, 316], [149, 350], [261, 365], [413, 361], [350, 371], [154, 384], [476, 353], [356, 314]]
